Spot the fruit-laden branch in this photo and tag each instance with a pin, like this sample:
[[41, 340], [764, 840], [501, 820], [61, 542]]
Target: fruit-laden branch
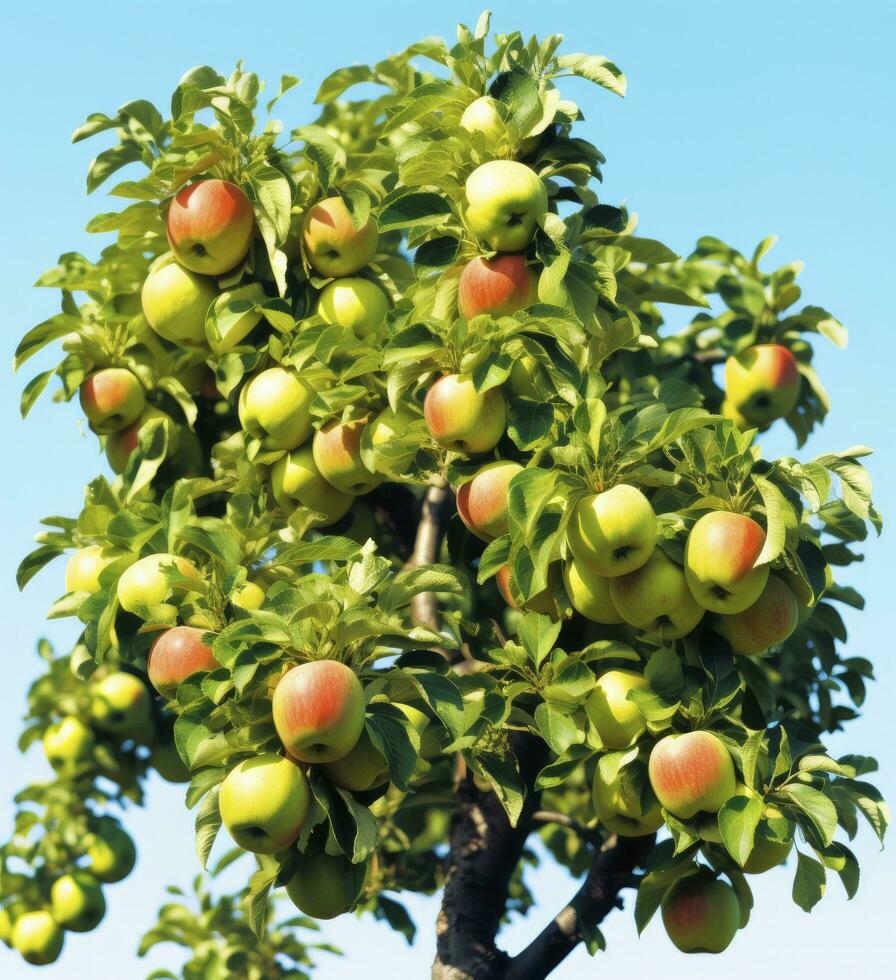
[[430, 531]]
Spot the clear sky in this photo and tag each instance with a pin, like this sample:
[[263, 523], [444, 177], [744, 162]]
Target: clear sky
[[742, 119]]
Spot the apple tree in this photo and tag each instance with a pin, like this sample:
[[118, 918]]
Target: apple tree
[[439, 523]]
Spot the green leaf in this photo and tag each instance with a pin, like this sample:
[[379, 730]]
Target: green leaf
[[558, 728], [596, 69], [415, 209], [208, 823], [538, 634], [738, 820], [808, 882], [817, 807]]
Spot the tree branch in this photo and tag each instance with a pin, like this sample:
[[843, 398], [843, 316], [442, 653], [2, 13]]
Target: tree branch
[[593, 836], [430, 531]]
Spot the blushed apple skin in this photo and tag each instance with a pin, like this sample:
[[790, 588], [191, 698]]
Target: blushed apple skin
[[613, 532], [177, 654], [762, 384], [483, 502], [701, 914], [37, 937], [589, 593], [619, 809], [325, 885], [176, 302], [462, 419], [319, 710], [719, 560], [82, 573], [541, 603], [333, 246], [616, 720], [504, 201], [691, 772], [120, 445], [77, 902], [275, 407], [210, 226], [355, 303], [111, 399], [499, 286], [337, 454], [656, 598], [770, 621], [296, 480]]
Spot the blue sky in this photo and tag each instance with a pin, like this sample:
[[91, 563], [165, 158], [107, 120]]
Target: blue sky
[[740, 120]]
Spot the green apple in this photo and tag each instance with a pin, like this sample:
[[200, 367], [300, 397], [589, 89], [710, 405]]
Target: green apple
[[210, 226], [325, 885], [354, 303], [232, 328], [768, 852], [484, 115], [613, 532], [296, 481], [762, 384], [111, 399], [701, 914], [462, 419], [337, 454], [176, 301], [145, 583], [616, 720], [264, 802], [82, 573], [691, 772], [720, 562], [5, 926], [37, 937], [177, 654], [249, 596], [386, 427], [505, 199], [167, 762], [656, 598], [77, 902], [111, 853], [120, 704], [362, 769], [68, 743], [589, 593], [770, 621], [525, 376], [275, 407], [620, 804], [333, 246], [483, 502], [498, 286]]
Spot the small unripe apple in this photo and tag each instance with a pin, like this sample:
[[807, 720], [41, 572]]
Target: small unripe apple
[[67, 743], [210, 226], [462, 419], [616, 720], [231, 332], [249, 596], [111, 852], [296, 480], [111, 399], [120, 704], [77, 901], [620, 807], [177, 654], [701, 914], [325, 885], [275, 407], [37, 938], [720, 559], [483, 502], [82, 573], [499, 286], [383, 429], [762, 384], [691, 772], [354, 303], [656, 598], [770, 621], [333, 246], [504, 201], [589, 593], [613, 532], [337, 454], [145, 583], [176, 301]]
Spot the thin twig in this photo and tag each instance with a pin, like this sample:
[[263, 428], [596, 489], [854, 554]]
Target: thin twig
[[590, 834]]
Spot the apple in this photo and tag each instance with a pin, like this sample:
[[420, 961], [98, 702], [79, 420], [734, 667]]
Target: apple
[[524, 377], [354, 303], [319, 710], [5, 926], [230, 331], [120, 704], [210, 226], [249, 596], [176, 301], [37, 937], [337, 454], [504, 201], [386, 427], [77, 902], [111, 853], [145, 583], [462, 419], [616, 720], [325, 885], [275, 407], [120, 445], [542, 602], [589, 593], [701, 914], [613, 532], [620, 807], [264, 802], [499, 286], [177, 654], [762, 384], [656, 598], [67, 743], [168, 764], [362, 769], [768, 852], [333, 246], [296, 480], [730, 412], [483, 502], [82, 573], [719, 561], [483, 115], [111, 399], [771, 619], [691, 772]]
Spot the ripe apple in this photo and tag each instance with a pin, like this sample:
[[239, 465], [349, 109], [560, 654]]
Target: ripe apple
[[542, 602], [168, 764], [296, 480], [77, 902], [656, 598], [701, 914], [325, 885], [483, 502], [145, 583], [319, 710], [616, 720], [589, 593], [233, 331], [499, 286], [620, 807], [337, 454], [333, 246], [120, 704], [719, 561], [67, 743], [210, 226], [264, 802], [111, 399], [249, 596], [504, 201], [613, 532], [82, 573], [462, 419], [691, 772], [176, 301], [111, 852], [37, 937], [354, 303], [274, 407], [387, 426], [177, 654], [762, 383], [120, 445], [768, 852], [767, 623]]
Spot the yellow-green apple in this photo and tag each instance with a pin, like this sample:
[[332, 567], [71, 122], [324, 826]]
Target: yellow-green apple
[[111, 399], [333, 246], [620, 808], [483, 502], [762, 383], [691, 772], [483, 115], [167, 762], [505, 199], [145, 583], [768, 852], [617, 720], [232, 328], [111, 853], [325, 885], [542, 602], [589, 593], [359, 524], [249, 596], [354, 303], [120, 704], [462, 419], [264, 802], [176, 301], [656, 598], [730, 412], [296, 480], [37, 937], [337, 454], [386, 427], [67, 743], [120, 445], [77, 901], [701, 914], [82, 573], [275, 407], [524, 375], [362, 769], [177, 654], [613, 532], [768, 622], [5, 927], [210, 226], [499, 286], [719, 562], [319, 710]]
